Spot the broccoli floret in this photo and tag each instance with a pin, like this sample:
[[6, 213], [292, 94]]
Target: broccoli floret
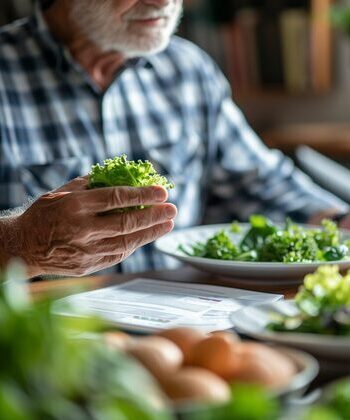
[[288, 247]]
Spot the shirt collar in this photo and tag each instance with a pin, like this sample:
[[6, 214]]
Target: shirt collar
[[60, 53]]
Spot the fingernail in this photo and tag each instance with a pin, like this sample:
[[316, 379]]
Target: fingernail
[[170, 212], [160, 194]]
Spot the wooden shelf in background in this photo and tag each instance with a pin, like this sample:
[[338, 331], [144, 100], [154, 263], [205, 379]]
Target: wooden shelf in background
[[274, 93], [331, 139]]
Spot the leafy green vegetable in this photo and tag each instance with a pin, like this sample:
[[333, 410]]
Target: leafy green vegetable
[[261, 229], [289, 246], [219, 246], [121, 172], [323, 302], [266, 242]]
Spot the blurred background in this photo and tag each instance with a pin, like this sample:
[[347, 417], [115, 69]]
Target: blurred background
[[288, 64]]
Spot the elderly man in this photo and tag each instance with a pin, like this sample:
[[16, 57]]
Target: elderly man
[[82, 80]]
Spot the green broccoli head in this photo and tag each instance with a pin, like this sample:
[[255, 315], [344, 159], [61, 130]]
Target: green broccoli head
[[288, 247]]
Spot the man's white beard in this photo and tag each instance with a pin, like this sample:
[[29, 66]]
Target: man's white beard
[[96, 19]]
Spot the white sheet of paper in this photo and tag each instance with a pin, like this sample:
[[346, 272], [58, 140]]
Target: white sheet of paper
[[147, 305]]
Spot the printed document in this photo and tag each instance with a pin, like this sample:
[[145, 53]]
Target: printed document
[[147, 305]]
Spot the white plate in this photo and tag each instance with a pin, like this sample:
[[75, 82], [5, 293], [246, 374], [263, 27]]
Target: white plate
[[254, 271], [252, 321]]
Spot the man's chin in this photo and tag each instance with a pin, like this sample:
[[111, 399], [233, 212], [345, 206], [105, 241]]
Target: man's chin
[[146, 49]]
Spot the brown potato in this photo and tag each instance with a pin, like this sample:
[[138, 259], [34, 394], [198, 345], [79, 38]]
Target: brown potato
[[263, 365], [185, 338], [159, 355], [231, 336], [218, 354], [196, 385]]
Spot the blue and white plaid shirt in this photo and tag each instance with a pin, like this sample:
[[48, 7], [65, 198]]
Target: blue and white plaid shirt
[[173, 108]]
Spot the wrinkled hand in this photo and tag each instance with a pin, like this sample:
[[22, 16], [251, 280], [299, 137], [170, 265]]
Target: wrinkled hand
[[64, 233]]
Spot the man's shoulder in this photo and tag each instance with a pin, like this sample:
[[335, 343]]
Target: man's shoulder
[[184, 54]]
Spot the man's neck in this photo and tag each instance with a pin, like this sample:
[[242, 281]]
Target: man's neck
[[101, 66]]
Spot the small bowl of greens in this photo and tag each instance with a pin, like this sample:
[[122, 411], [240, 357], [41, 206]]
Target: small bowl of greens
[[317, 320], [260, 249]]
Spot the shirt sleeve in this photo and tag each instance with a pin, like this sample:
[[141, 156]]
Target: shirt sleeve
[[251, 178]]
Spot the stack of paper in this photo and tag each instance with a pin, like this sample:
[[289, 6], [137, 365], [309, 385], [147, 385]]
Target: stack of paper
[[146, 305]]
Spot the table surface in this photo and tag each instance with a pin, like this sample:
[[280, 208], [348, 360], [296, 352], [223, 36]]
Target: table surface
[[67, 286], [184, 274]]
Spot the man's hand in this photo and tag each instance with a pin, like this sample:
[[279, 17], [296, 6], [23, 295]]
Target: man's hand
[[64, 232]]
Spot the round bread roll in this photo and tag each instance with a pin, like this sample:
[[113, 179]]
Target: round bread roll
[[196, 385], [263, 365], [185, 338], [218, 354], [158, 355]]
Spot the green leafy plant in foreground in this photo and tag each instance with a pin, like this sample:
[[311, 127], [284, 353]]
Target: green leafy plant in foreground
[[267, 242], [47, 374]]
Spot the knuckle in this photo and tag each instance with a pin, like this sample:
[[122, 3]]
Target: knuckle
[[164, 228], [124, 244], [123, 197], [147, 194], [128, 222], [115, 197], [156, 215], [74, 203]]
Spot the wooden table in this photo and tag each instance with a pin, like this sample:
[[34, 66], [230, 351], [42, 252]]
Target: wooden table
[[185, 274]]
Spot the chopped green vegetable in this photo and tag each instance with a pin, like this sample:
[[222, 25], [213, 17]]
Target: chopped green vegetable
[[323, 302], [267, 242], [218, 246]]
